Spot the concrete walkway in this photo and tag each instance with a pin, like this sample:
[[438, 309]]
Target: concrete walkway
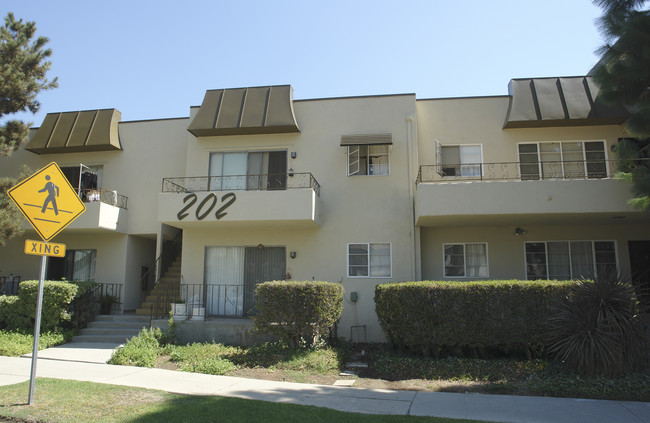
[[83, 363]]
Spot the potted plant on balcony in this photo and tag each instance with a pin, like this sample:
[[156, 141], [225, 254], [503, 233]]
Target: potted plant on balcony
[[179, 308], [106, 302]]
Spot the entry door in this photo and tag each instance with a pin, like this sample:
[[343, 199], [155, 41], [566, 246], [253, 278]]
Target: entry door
[[640, 269], [261, 265]]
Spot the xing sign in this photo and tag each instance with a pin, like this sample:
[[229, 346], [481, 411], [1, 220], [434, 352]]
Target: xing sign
[[48, 201], [40, 248]]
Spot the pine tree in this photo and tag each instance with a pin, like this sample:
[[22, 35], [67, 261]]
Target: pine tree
[[623, 74], [23, 68]]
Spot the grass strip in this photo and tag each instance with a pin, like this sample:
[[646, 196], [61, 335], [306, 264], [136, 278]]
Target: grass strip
[[63, 401]]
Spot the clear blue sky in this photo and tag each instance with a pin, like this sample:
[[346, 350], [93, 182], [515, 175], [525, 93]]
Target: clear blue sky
[[155, 59]]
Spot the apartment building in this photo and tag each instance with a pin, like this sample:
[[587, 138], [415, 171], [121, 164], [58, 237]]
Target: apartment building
[[254, 185]]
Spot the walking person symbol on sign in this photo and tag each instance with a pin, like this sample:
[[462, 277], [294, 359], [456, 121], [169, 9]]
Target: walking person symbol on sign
[[51, 190]]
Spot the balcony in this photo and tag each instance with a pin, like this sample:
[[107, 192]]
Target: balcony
[[291, 199], [105, 210], [506, 193]]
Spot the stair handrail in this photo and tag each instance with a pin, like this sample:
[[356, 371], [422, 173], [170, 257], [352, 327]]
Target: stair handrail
[[159, 267]]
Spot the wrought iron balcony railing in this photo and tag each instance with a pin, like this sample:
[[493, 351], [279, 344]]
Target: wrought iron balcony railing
[[104, 196], [523, 171], [263, 182]]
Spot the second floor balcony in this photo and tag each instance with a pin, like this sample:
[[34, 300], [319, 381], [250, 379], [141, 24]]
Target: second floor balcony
[[520, 171], [291, 199], [105, 209], [522, 192]]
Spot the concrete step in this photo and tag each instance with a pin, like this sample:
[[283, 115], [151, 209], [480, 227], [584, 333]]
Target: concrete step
[[122, 318], [128, 332], [105, 339], [125, 325]]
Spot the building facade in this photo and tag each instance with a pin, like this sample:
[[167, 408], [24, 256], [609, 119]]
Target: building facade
[[255, 186]]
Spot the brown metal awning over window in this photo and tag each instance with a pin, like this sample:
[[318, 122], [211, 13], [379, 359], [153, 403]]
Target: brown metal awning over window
[[367, 139], [242, 111], [73, 132], [570, 101]]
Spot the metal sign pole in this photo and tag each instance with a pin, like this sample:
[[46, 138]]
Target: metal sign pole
[[37, 330]]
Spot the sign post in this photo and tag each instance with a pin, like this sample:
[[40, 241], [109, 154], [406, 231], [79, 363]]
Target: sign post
[[49, 203]]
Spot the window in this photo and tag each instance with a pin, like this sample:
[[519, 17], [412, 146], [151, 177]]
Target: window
[[90, 178], [77, 265], [567, 160], [369, 260], [368, 160], [253, 171], [562, 260], [466, 260], [232, 273], [460, 160]]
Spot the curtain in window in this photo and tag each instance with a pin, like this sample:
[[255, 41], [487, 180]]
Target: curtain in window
[[380, 260], [224, 277], [470, 159], [378, 160], [83, 268], [558, 261], [605, 253], [476, 261], [582, 262], [573, 160], [551, 157]]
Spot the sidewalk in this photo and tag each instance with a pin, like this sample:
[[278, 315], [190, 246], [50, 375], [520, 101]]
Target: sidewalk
[[81, 363]]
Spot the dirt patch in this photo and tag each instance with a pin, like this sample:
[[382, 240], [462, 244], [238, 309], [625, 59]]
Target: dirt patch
[[164, 362]]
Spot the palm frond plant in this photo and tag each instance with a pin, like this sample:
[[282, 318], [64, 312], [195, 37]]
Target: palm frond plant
[[597, 330]]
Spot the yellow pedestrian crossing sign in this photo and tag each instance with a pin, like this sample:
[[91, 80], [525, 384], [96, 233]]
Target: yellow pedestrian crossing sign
[[48, 201]]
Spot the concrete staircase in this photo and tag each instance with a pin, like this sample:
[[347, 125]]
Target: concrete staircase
[[168, 289], [112, 329]]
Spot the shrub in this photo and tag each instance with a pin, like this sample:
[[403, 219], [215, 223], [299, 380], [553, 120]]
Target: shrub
[[9, 315], [460, 318], [56, 298], [596, 329], [298, 312], [140, 351]]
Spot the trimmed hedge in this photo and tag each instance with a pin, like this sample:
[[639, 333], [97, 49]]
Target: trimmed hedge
[[433, 318], [21, 310], [297, 312]]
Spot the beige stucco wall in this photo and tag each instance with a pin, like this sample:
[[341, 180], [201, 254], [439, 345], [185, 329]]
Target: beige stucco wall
[[140, 251], [506, 251], [355, 209], [479, 120]]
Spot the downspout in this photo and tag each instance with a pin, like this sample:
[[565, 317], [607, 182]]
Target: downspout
[[415, 235]]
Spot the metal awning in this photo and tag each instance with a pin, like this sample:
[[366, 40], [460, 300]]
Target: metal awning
[[73, 132], [367, 139], [565, 101], [241, 111]]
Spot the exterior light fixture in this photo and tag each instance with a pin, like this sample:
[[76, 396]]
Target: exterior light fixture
[[519, 231], [292, 254]]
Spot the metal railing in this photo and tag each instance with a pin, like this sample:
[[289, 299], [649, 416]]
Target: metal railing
[[212, 300], [524, 171], [104, 196], [109, 290], [262, 182], [9, 285]]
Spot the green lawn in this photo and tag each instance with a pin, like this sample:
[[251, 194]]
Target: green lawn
[[63, 401]]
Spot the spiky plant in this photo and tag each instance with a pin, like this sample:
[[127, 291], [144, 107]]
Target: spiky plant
[[596, 330]]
